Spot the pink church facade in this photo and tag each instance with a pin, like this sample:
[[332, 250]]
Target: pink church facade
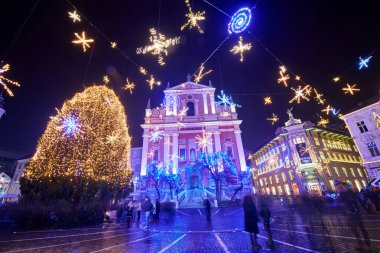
[[172, 131]]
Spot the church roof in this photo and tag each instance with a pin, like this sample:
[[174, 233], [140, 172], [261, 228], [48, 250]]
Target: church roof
[[189, 86]]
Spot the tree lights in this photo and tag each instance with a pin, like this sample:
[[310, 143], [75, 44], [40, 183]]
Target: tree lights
[[193, 18], [83, 40], [239, 21], [4, 80], [240, 48], [77, 141]]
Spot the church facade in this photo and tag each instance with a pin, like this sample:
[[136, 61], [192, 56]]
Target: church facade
[[190, 122]]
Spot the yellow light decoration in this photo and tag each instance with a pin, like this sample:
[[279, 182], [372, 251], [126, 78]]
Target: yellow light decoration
[[129, 86], [204, 140], [283, 76], [5, 81], [304, 150], [274, 118], [240, 48], [193, 18], [152, 81], [350, 89], [74, 16], [300, 93], [183, 112], [198, 77], [308, 90], [267, 101], [336, 79], [376, 117], [159, 45], [298, 78], [85, 42], [322, 122], [143, 71], [63, 154], [328, 109], [113, 44], [106, 79], [318, 97]]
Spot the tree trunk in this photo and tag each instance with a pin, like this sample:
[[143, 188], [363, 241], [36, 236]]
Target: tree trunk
[[236, 191]]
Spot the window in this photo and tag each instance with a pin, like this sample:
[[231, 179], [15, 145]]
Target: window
[[182, 154], [373, 149], [352, 172], [230, 153], [345, 172], [360, 173], [190, 111], [332, 184], [155, 155], [328, 171], [270, 180], [273, 190], [362, 127], [291, 175], [358, 186], [316, 141], [193, 155], [287, 189], [277, 180], [261, 182], [283, 176], [279, 189], [336, 171], [364, 184], [322, 155]]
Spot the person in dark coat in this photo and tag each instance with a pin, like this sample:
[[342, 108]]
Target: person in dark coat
[[250, 220], [207, 205], [158, 209], [265, 214], [129, 213]]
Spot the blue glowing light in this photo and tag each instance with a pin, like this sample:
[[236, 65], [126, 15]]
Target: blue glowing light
[[225, 100], [335, 112], [332, 195], [277, 157], [363, 63], [70, 125], [239, 21]]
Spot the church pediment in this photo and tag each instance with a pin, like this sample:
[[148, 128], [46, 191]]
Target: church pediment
[[189, 86]]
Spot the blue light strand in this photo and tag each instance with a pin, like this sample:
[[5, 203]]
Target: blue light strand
[[240, 21]]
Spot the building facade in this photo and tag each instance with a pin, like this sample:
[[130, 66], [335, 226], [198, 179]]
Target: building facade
[[363, 122], [304, 159], [174, 132]]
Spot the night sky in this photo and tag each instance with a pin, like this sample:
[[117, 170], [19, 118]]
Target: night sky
[[315, 39]]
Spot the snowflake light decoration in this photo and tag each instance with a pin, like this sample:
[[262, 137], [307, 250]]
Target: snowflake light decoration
[[74, 16], [298, 78], [193, 18], [204, 140], [306, 149], [156, 135], [336, 79], [274, 118], [363, 63], [83, 40], [376, 117], [4, 81], [267, 101], [152, 81], [106, 79], [283, 76], [159, 45], [318, 97], [183, 112], [240, 48], [322, 122], [239, 21], [198, 77], [151, 154], [113, 44], [70, 126], [129, 86], [300, 93], [143, 71], [350, 89], [328, 109], [225, 100], [112, 138]]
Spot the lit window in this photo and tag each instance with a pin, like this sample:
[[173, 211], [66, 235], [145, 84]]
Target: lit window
[[230, 153], [277, 180], [373, 149], [287, 189], [332, 184], [316, 140], [270, 180], [336, 171], [345, 172], [155, 156], [322, 155], [273, 190], [352, 172], [328, 171], [279, 190], [291, 175], [261, 182], [182, 154], [283, 176], [362, 127], [360, 172], [364, 183]]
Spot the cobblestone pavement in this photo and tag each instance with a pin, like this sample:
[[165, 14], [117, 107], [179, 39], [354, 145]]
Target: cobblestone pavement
[[188, 231]]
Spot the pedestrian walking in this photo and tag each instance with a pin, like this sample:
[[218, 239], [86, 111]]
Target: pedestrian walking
[[129, 213], [147, 207], [119, 213], [137, 207], [158, 209], [207, 205], [266, 215], [250, 220]]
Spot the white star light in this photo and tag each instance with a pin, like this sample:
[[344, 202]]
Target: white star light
[[83, 40], [225, 100], [204, 140], [363, 63], [74, 16], [156, 135], [300, 94]]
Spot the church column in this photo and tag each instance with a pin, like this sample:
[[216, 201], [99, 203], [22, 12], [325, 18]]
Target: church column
[[175, 153], [218, 147], [212, 101], [144, 152], [239, 144], [175, 105], [166, 147], [205, 106]]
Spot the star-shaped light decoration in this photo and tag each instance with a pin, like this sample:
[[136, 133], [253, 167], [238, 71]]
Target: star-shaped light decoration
[[274, 118], [83, 40], [70, 126], [336, 79], [283, 76], [267, 101], [318, 97], [74, 16], [204, 140], [193, 18], [322, 122], [129, 86], [182, 112], [328, 109], [363, 63], [106, 79], [113, 44], [306, 149], [111, 139], [152, 81], [225, 100], [350, 89], [298, 78], [151, 154], [143, 71], [5, 81], [159, 45], [300, 93], [156, 135], [198, 77], [240, 48]]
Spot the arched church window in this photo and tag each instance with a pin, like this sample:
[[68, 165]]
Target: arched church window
[[192, 154], [191, 111]]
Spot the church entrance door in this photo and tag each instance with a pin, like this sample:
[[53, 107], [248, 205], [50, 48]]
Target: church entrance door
[[194, 181]]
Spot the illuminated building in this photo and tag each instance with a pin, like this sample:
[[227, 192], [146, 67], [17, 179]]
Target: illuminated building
[[2, 110], [189, 122], [363, 122], [303, 158]]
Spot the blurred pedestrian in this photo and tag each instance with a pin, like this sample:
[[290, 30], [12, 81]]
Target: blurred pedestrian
[[129, 213], [266, 215], [158, 209], [137, 207], [207, 205], [147, 207], [119, 213], [250, 220]]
